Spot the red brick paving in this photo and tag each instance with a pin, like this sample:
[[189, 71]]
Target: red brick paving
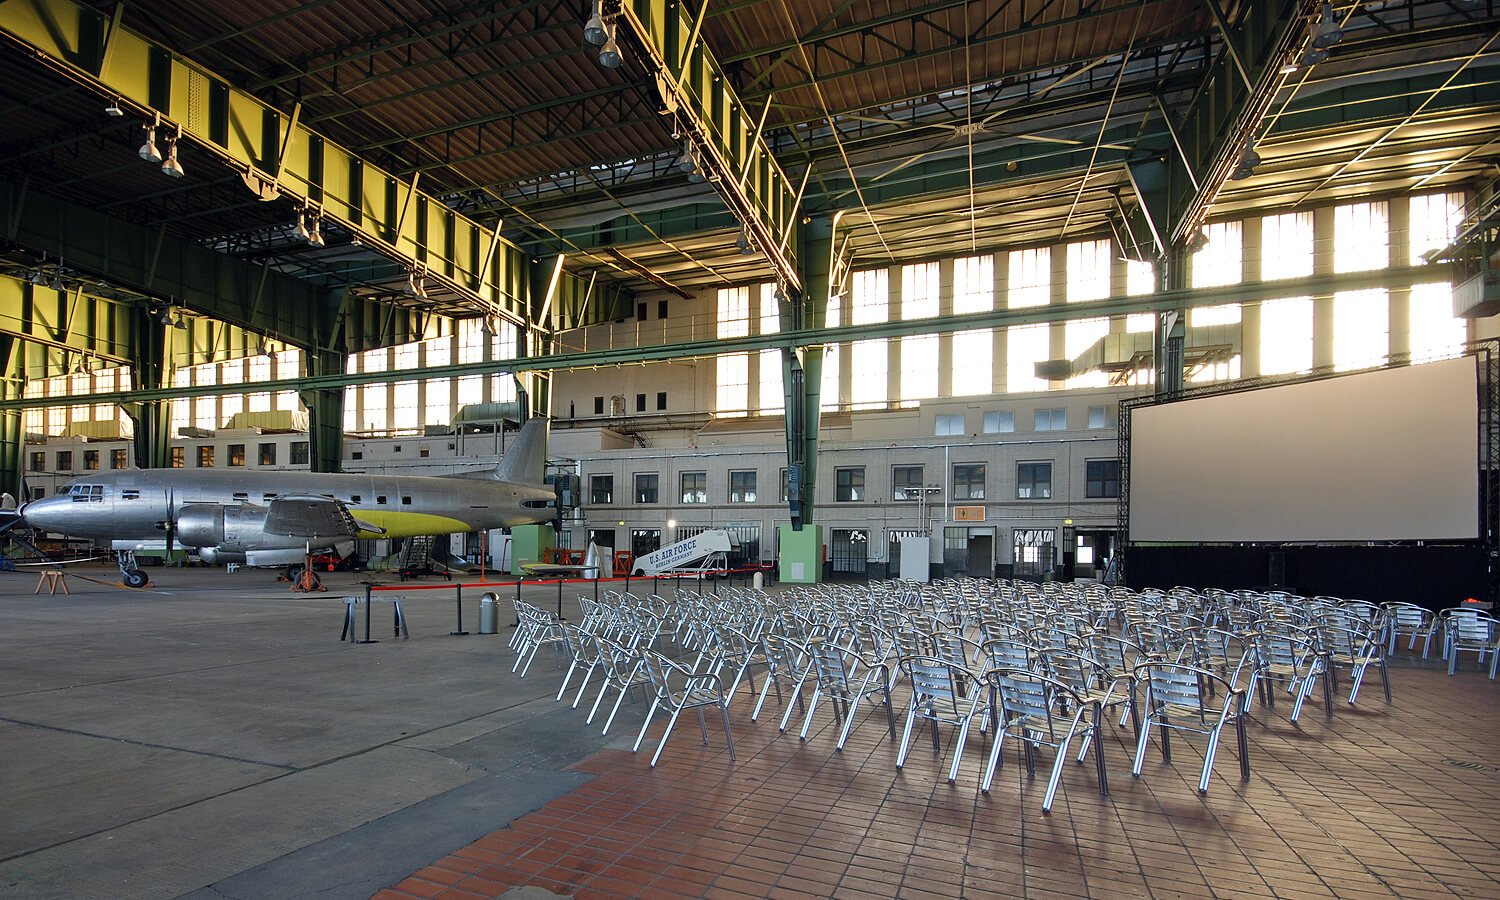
[[1362, 806]]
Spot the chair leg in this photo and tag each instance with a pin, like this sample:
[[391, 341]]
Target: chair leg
[[995, 760], [1140, 746], [1057, 765], [958, 751], [911, 718], [1208, 757], [645, 725], [848, 722], [728, 738], [666, 734]]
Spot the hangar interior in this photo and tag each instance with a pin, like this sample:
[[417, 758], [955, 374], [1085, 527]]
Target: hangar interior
[[888, 269]]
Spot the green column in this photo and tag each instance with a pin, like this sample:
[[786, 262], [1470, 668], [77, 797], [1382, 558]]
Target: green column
[[12, 386], [325, 411], [802, 367], [152, 366]]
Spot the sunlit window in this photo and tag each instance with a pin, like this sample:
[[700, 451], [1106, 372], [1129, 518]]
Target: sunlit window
[[772, 393], [1219, 263], [288, 366], [919, 367], [734, 384], [1435, 330], [828, 398], [1361, 329], [1361, 237], [974, 352], [919, 291], [1080, 335], [1286, 246], [872, 297], [973, 284], [1140, 278], [1025, 346], [734, 312], [1088, 270], [404, 394], [1030, 278], [438, 391], [1286, 336], [503, 346], [869, 361]]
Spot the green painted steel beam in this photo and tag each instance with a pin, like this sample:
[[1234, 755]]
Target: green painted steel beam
[[808, 335], [723, 130], [276, 153], [1234, 97]]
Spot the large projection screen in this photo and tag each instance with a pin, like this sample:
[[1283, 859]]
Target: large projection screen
[[1389, 455]]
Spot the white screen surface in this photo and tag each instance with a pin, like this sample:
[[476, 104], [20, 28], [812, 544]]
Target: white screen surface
[[1380, 456]]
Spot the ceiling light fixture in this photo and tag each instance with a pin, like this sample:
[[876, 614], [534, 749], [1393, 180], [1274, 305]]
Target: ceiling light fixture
[[747, 246], [56, 283], [609, 54], [1327, 32], [594, 30], [690, 162], [310, 229], [148, 150], [181, 323], [1248, 160], [113, 109], [172, 167], [1197, 242]]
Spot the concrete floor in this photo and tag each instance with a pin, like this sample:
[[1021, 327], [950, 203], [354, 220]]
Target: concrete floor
[[212, 737]]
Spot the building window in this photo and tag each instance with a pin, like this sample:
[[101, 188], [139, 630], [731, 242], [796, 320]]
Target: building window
[[236, 454], [65, 460], [598, 406], [268, 454], [1034, 481], [647, 487], [1051, 419], [357, 454], [694, 487], [661, 309], [38, 462], [950, 425], [299, 453], [91, 459], [640, 402], [640, 311], [601, 489], [645, 540], [968, 482], [205, 456], [849, 484], [1102, 478], [118, 459], [661, 399], [999, 422], [906, 482], [742, 487], [1099, 417], [179, 457]]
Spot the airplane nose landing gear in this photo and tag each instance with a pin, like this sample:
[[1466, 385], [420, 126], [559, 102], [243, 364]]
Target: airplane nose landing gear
[[133, 576]]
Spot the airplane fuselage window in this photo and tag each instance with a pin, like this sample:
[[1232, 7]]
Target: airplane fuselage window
[[380, 498], [130, 495], [268, 496], [406, 501], [354, 499], [242, 496]]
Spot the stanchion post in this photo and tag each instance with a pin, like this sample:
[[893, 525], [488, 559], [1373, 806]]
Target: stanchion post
[[459, 599], [368, 639], [559, 601], [517, 622]]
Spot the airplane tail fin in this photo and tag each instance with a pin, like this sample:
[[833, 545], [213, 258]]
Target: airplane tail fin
[[526, 459]]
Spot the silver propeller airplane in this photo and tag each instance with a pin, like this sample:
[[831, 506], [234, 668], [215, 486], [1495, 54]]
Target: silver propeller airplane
[[280, 518]]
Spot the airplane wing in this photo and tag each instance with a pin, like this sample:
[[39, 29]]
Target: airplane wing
[[310, 516]]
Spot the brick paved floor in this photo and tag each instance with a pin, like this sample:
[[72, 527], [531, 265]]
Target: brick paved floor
[[1396, 800]]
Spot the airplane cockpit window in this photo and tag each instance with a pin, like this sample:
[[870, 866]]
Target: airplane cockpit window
[[87, 493]]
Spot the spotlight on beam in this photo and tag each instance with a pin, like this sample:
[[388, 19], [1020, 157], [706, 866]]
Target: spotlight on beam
[[594, 30]]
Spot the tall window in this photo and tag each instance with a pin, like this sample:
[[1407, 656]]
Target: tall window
[[471, 341], [647, 485], [968, 481], [601, 489], [694, 487], [1033, 481], [973, 360], [119, 459], [1088, 279], [1027, 345], [1220, 262], [919, 353], [1286, 325], [742, 487], [772, 393], [906, 482], [438, 408], [236, 454], [1361, 319], [828, 389], [267, 454], [503, 346], [1102, 478], [1140, 278], [869, 361], [734, 384], [849, 484], [374, 393], [1435, 331], [404, 412]]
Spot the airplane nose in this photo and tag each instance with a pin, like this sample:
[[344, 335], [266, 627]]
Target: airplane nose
[[46, 514]]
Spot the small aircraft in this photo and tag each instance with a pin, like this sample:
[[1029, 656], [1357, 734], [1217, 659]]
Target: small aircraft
[[262, 518], [595, 565]]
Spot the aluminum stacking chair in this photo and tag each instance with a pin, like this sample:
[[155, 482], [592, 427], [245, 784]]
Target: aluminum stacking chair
[[734, 653], [622, 672], [786, 664], [942, 692], [836, 673], [1354, 648], [1293, 656], [584, 649], [1410, 621], [1094, 682], [543, 630], [1041, 711], [1178, 698], [694, 690], [1470, 631]]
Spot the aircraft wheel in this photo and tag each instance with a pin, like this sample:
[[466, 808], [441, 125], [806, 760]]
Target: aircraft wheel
[[135, 578]]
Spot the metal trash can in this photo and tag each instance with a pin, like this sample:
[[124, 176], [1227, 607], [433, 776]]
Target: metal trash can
[[489, 613], [758, 581]]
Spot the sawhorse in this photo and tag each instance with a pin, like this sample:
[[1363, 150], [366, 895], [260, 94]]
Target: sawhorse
[[350, 603], [52, 579]]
